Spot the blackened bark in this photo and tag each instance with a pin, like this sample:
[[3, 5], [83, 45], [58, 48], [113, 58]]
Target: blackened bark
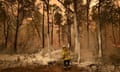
[[87, 15], [16, 36], [52, 29], [99, 32], [69, 28], [6, 29], [48, 16], [119, 28], [7, 34], [59, 34], [43, 40], [113, 33], [77, 40], [17, 29]]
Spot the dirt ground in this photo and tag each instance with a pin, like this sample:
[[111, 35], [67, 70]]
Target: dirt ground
[[51, 68], [58, 68]]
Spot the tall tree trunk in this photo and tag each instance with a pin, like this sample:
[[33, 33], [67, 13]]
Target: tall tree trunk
[[48, 17], [16, 36], [77, 41], [119, 28], [119, 20], [59, 34], [17, 30], [105, 35], [113, 33], [88, 2], [69, 28], [6, 32], [36, 27], [43, 39], [52, 27], [99, 33], [63, 35], [69, 34], [48, 29]]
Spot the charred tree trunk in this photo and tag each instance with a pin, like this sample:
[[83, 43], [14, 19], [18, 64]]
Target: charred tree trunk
[[43, 39], [20, 16], [77, 41], [17, 29], [52, 27], [69, 27], [88, 2], [99, 33], [105, 35], [63, 33], [119, 28], [59, 34], [113, 33], [69, 35], [48, 17], [16, 37], [6, 29], [7, 34], [48, 34]]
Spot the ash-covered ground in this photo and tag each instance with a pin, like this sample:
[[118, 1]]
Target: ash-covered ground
[[38, 62]]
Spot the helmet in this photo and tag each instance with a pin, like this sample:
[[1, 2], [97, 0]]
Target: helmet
[[63, 46]]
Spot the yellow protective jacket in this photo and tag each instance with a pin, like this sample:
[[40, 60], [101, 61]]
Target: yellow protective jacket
[[66, 55]]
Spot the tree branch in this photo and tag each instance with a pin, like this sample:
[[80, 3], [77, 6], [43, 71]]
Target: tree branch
[[65, 6]]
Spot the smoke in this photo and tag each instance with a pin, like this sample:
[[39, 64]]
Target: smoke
[[84, 2]]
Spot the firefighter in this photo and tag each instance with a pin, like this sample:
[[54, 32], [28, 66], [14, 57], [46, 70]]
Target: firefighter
[[66, 56]]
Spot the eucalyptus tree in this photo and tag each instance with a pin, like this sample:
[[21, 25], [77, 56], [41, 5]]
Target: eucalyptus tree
[[66, 4], [54, 11], [47, 6], [14, 12], [88, 20], [18, 23], [47, 3], [2, 22], [23, 7], [105, 14], [99, 33], [70, 14], [43, 39], [9, 18], [77, 40], [108, 12], [38, 22], [58, 21], [98, 17]]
